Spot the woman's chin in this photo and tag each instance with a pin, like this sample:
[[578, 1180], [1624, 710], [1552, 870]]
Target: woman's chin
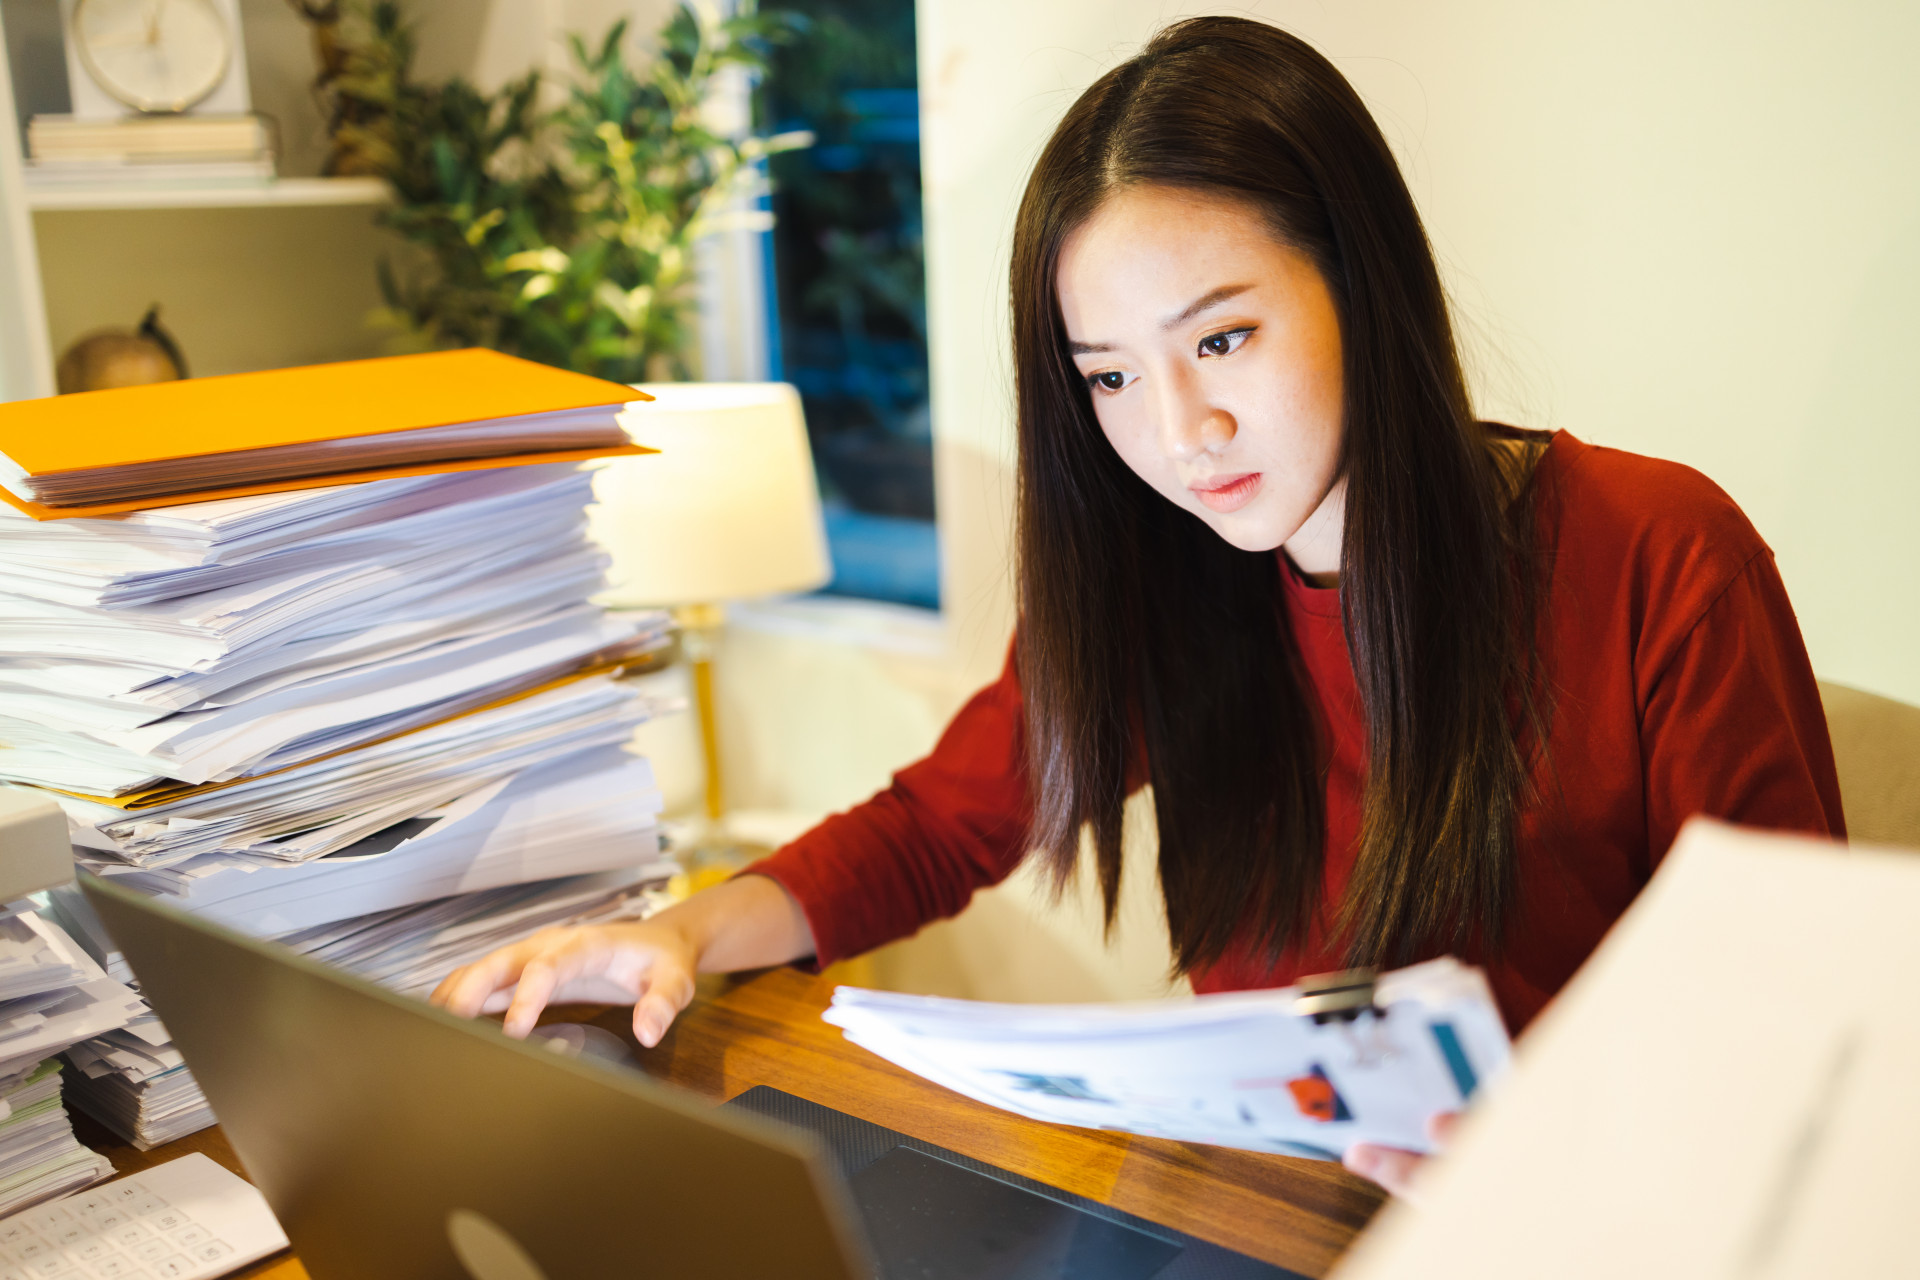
[[1248, 530]]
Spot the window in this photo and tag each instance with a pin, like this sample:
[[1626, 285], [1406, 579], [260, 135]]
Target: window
[[849, 287]]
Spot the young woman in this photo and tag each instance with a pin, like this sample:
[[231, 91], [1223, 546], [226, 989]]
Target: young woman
[[1403, 683]]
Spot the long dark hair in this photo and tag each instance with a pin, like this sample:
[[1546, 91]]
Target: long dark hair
[[1141, 625]]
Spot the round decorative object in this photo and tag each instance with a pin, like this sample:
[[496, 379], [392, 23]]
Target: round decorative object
[[121, 358], [156, 56]]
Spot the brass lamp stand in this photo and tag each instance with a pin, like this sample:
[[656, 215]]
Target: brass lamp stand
[[715, 854]]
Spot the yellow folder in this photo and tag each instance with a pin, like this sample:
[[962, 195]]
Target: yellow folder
[[169, 425]]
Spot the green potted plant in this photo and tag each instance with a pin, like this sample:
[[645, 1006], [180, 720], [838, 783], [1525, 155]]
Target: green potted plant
[[564, 235]]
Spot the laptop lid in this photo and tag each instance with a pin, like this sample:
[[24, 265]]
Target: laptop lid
[[376, 1125]]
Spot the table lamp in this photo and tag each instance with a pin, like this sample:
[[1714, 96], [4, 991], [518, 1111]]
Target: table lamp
[[727, 510]]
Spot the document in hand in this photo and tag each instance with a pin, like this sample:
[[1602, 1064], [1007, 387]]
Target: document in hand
[[1255, 1069], [1726, 1088], [96, 453]]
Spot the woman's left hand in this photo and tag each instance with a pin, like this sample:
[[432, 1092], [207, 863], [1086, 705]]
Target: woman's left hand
[[1397, 1170]]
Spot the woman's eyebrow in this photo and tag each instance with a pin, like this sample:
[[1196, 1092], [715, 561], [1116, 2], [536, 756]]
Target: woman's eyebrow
[[1212, 298]]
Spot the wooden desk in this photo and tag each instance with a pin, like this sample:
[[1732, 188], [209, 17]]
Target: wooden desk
[[766, 1029]]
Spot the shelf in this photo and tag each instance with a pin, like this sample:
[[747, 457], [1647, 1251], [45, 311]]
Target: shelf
[[285, 192]]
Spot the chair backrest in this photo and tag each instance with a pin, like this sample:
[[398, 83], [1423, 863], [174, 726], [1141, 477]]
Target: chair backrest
[[1876, 745]]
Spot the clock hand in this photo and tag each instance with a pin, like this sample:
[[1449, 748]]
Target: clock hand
[[153, 21]]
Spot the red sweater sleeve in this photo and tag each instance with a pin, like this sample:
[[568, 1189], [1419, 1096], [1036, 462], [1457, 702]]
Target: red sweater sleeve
[[916, 852], [1731, 722]]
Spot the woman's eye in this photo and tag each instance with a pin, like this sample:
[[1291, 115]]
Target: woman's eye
[[1110, 380], [1223, 344]]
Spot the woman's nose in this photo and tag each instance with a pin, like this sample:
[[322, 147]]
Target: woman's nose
[[1189, 430]]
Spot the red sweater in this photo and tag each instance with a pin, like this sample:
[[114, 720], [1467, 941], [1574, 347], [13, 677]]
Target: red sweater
[[1679, 686]]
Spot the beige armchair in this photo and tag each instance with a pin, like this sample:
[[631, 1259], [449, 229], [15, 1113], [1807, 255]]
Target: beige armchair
[[1876, 744]]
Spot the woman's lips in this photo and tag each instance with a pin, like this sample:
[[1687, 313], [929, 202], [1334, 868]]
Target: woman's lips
[[1228, 493]]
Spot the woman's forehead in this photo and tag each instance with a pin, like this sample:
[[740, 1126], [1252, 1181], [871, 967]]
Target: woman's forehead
[[1148, 255]]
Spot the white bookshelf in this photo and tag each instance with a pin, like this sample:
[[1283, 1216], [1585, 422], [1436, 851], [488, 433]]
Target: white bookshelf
[[32, 213], [291, 282], [283, 192]]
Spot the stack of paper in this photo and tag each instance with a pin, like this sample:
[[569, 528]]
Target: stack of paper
[[136, 1083], [412, 949], [285, 701], [39, 1157], [225, 690], [52, 995], [1249, 1069]]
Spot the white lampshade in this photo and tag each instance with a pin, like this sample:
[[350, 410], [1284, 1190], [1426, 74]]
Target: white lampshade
[[727, 510]]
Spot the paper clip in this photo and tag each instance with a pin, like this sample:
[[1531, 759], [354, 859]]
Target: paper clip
[[1345, 999]]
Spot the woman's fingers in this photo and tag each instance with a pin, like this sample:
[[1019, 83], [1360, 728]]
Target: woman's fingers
[[669, 988], [1391, 1167], [635, 962], [1394, 1169], [466, 989], [537, 981]]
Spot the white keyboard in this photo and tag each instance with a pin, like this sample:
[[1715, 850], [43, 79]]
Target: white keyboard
[[188, 1219]]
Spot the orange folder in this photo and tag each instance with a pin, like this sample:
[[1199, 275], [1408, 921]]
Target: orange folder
[[288, 407]]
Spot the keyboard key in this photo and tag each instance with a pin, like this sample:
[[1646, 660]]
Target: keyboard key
[[91, 1202], [47, 1217], [129, 1235], [112, 1216], [31, 1248], [167, 1220], [148, 1202], [115, 1268], [212, 1251], [125, 1190], [68, 1234], [191, 1234], [177, 1265], [49, 1264], [93, 1250], [14, 1232], [152, 1250]]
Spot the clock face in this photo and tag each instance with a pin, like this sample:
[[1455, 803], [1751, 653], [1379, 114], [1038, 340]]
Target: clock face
[[153, 55]]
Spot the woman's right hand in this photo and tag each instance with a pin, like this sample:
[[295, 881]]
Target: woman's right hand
[[749, 922], [645, 963]]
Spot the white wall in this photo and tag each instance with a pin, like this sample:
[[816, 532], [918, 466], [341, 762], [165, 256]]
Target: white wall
[[1690, 230]]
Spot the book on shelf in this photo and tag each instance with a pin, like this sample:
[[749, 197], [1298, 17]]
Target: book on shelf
[[66, 175], [133, 138], [215, 151]]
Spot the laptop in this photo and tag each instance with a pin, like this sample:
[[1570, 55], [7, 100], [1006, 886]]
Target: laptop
[[395, 1141]]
